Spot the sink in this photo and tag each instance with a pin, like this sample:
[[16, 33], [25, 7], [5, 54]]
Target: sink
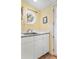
[[29, 33]]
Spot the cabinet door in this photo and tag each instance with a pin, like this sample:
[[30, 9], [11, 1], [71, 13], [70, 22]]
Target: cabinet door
[[27, 48], [41, 45], [38, 46], [45, 46]]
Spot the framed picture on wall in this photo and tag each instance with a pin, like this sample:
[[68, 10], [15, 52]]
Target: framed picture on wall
[[45, 20], [31, 18]]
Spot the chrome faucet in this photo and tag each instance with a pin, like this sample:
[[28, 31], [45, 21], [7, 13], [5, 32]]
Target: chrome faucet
[[29, 31]]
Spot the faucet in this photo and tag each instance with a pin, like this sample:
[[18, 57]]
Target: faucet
[[29, 31]]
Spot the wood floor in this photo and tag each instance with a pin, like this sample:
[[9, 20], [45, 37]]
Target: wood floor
[[48, 56]]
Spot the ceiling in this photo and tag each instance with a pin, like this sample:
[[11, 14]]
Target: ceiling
[[40, 4]]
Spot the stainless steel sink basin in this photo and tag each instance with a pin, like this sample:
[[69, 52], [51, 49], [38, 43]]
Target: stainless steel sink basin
[[29, 34]]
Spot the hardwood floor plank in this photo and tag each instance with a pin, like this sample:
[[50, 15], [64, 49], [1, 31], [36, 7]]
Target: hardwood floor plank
[[48, 56]]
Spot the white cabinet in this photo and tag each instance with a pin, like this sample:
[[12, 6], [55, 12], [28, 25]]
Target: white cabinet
[[27, 46], [45, 41], [38, 46], [35, 46], [41, 45]]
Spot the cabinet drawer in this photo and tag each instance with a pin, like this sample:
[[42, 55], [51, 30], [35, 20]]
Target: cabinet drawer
[[26, 40]]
